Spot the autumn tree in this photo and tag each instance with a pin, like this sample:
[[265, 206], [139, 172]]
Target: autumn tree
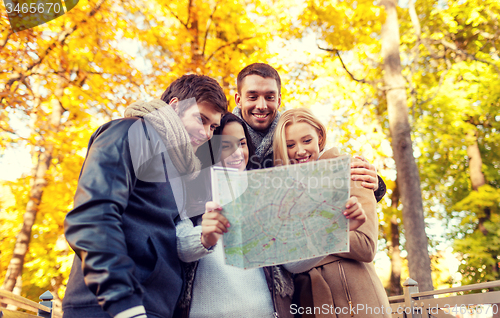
[[408, 175], [46, 82], [455, 53], [214, 38], [461, 167], [348, 26], [63, 79]]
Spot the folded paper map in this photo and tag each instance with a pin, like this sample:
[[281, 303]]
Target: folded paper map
[[284, 214]]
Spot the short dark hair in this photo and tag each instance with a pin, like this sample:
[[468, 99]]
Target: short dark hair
[[200, 87], [262, 69]]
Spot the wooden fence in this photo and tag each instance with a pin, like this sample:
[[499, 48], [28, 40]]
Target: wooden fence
[[412, 304], [424, 305], [34, 309]]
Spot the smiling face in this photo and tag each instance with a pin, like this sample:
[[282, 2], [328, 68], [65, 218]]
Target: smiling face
[[259, 101], [200, 121], [302, 142], [234, 146]]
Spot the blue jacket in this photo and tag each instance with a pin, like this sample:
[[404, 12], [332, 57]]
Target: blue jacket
[[122, 226]]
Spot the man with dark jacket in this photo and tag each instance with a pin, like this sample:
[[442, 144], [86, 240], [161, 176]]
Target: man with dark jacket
[[130, 190]]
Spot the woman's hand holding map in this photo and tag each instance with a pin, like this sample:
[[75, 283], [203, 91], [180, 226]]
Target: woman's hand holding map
[[213, 224], [355, 213]]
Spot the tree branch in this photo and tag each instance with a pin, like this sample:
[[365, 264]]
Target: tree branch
[[239, 41], [441, 80], [64, 72], [208, 28], [176, 16], [60, 40], [414, 18], [453, 47], [189, 13], [64, 35], [10, 131], [2, 45], [416, 51], [336, 52]]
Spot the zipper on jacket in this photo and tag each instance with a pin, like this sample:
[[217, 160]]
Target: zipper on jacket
[[346, 288], [273, 293]]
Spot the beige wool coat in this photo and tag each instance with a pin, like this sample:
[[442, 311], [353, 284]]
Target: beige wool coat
[[339, 278]]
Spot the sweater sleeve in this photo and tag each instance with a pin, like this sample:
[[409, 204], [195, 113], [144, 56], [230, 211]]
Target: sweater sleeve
[[189, 247]]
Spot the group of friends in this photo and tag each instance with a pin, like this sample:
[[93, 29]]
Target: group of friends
[[137, 257]]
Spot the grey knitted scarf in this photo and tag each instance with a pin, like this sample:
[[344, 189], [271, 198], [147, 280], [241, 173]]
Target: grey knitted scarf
[[262, 140], [169, 126]]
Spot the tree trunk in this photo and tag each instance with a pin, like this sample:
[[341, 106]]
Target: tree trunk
[[475, 163], [17, 291], [477, 177], [395, 287], [15, 267], [197, 58], [32, 125], [409, 180], [477, 180]]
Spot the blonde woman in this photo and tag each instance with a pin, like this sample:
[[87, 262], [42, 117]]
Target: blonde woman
[[344, 284]]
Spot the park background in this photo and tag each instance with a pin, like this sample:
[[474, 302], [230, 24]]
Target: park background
[[377, 73]]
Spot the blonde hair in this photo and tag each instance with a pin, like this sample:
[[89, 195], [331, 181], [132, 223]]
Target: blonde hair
[[292, 116]]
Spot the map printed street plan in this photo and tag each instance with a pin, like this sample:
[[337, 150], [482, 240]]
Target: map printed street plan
[[284, 214]]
